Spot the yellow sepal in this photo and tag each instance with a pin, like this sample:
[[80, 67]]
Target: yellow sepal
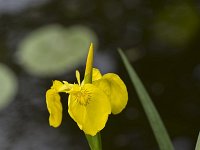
[[54, 107], [59, 86], [89, 108]]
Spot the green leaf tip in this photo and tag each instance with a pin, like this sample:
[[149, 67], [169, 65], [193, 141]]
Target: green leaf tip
[[198, 143]]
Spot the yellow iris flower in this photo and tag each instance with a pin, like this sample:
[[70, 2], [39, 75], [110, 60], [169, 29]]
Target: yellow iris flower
[[89, 102]]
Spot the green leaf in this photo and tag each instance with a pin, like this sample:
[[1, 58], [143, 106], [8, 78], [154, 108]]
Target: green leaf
[[94, 141], [53, 50], [8, 86], [198, 143], [155, 121]]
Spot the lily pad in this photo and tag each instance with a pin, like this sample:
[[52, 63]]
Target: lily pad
[[8, 86], [54, 50]]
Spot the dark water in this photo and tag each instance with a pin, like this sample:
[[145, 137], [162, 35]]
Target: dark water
[[161, 39]]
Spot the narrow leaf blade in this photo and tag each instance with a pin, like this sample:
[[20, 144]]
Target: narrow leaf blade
[[155, 121], [198, 143]]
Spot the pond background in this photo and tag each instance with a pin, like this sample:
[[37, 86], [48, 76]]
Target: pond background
[[161, 40]]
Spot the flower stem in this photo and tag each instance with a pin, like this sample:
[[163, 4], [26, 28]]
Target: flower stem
[[94, 141]]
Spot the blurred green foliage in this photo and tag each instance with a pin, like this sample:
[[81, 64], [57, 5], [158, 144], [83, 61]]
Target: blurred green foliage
[[176, 24], [53, 50], [8, 86]]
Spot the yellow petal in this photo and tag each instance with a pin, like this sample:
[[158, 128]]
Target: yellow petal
[[54, 107], [59, 86], [89, 108], [96, 74], [56, 85], [115, 89], [66, 87]]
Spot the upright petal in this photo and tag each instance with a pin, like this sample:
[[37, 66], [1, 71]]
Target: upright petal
[[54, 107], [115, 89], [89, 108], [96, 74]]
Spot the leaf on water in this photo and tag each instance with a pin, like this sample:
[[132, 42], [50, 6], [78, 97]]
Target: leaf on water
[[53, 50], [8, 86]]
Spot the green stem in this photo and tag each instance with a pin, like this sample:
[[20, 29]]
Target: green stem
[[94, 141]]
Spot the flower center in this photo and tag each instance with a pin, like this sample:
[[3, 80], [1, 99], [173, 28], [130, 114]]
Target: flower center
[[82, 97]]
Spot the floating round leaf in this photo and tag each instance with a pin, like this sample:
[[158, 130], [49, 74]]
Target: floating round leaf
[[8, 86], [53, 50]]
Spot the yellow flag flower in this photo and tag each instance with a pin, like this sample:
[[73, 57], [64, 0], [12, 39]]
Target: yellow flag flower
[[91, 101]]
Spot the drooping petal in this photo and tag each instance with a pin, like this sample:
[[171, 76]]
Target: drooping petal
[[115, 89], [59, 86], [77, 112], [66, 87], [54, 107], [89, 108]]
